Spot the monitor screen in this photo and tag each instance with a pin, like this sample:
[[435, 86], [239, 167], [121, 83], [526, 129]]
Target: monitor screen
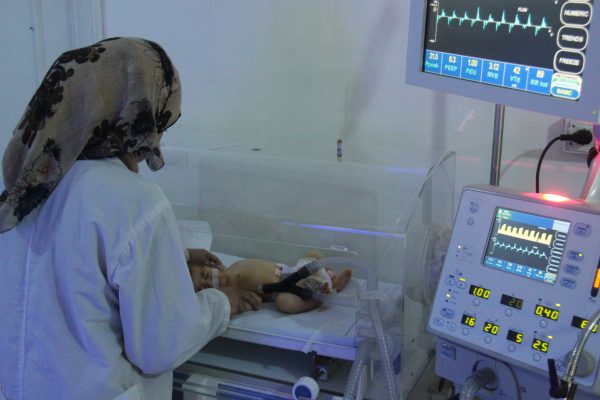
[[526, 244], [532, 54]]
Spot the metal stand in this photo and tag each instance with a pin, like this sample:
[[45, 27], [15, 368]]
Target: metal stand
[[497, 145]]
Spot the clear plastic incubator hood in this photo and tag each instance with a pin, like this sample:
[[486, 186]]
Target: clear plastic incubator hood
[[388, 220]]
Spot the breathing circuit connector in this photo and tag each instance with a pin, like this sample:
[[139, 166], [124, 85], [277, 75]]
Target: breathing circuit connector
[[289, 284], [477, 380]]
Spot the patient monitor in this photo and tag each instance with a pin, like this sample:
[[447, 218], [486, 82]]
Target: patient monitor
[[542, 56], [520, 281]]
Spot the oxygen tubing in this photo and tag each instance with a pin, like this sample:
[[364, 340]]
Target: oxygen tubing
[[376, 320]]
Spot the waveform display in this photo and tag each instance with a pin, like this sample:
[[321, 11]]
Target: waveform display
[[526, 234], [516, 248], [522, 34], [497, 23], [527, 246]]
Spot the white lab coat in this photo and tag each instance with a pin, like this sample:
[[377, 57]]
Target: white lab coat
[[95, 298]]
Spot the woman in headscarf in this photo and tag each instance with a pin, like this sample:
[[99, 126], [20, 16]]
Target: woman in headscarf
[[95, 296]]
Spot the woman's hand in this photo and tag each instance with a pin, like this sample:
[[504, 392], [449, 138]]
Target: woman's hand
[[241, 300], [202, 258]]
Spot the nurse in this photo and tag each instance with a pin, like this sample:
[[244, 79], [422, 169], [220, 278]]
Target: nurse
[[96, 301]]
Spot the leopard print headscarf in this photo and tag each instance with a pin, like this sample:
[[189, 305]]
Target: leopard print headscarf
[[106, 100]]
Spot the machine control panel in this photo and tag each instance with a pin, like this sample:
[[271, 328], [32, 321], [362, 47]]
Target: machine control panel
[[521, 278]]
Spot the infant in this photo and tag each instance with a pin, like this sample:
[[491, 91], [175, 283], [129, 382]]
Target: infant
[[290, 287]]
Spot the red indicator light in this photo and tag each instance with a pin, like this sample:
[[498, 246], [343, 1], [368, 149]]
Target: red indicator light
[[555, 198]]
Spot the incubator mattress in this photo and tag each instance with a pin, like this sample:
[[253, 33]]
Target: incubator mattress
[[327, 330]]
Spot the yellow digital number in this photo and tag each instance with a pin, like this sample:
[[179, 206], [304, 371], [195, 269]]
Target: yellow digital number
[[540, 345], [468, 320], [519, 338], [491, 328], [584, 325], [546, 312]]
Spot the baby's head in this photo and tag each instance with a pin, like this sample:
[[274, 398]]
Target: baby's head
[[205, 277]]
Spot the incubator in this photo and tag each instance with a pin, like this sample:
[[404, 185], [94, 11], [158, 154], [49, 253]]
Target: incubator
[[387, 220]]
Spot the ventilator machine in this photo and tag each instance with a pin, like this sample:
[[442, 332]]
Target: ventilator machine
[[517, 304]]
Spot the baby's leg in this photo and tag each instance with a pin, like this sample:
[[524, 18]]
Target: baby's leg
[[341, 280], [292, 304]]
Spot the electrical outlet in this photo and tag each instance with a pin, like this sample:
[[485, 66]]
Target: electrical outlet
[[572, 126]]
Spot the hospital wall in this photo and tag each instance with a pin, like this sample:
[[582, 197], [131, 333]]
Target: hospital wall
[[297, 74]]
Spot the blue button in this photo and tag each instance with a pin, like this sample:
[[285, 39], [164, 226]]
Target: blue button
[[432, 62], [461, 284], [451, 65], [471, 221], [448, 350], [568, 283], [572, 269], [582, 229], [471, 68], [516, 76], [447, 313], [437, 321], [565, 92], [539, 80], [575, 255], [474, 207], [493, 72], [450, 281]]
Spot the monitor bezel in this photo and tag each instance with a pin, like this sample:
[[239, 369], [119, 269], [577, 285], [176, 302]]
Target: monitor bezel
[[587, 108]]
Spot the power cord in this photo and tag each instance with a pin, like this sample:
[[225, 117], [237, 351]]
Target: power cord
[[582, 137]]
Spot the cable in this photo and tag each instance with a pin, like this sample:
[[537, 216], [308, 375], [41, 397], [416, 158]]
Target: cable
[[592, 153], [515, 379], [582, 137]]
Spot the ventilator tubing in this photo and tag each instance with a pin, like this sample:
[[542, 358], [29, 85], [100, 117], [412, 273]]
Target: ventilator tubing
[[476, 381], [364, 349], [336, 300], [376, 319]]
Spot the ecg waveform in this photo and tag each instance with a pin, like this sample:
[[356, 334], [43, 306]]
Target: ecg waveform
[[526, 234], [525, 250], [497, 23]]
